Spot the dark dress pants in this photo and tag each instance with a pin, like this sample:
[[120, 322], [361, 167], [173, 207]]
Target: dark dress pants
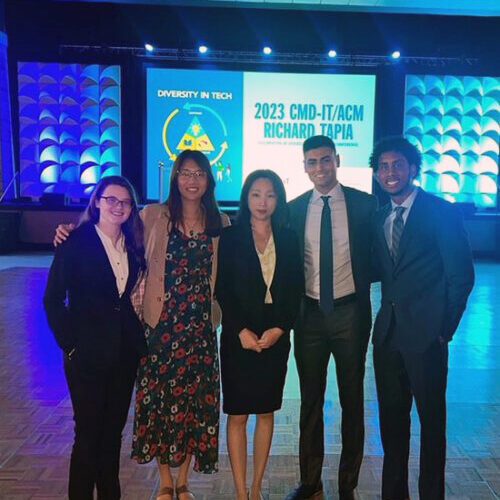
[[400, 377], [101, 401], [345, 336]]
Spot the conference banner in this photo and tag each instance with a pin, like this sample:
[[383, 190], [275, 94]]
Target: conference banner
[[245, 121]]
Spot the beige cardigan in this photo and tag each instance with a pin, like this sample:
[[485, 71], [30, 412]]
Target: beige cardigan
[[155, 218]]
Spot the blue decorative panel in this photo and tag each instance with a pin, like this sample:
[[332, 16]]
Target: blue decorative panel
[[7, 185], [455, 122], [69, 123]]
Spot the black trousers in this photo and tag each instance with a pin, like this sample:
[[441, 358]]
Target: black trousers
[[100, 405], [345, 336], [401, 376]]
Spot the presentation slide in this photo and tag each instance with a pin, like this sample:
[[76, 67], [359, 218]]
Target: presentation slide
[[245, 121]]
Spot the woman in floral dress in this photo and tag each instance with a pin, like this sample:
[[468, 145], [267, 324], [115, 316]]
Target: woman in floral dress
[[177, 402]]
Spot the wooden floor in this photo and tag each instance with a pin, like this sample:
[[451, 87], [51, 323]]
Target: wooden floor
[[36, 425]]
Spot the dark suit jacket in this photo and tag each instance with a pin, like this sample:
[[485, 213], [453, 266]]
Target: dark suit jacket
[[82, 303], [425, 291], [241, 289], [361, 208]]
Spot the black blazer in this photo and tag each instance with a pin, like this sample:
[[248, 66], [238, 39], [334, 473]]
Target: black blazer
[[361, 208], [425, 291], [241, 289], [82, 303]]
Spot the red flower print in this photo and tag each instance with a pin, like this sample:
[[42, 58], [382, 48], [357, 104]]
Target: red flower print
[[213, 442], [178, 391], [178, 327], [182, 288], [180, 353], [202, 447], [209, 399]]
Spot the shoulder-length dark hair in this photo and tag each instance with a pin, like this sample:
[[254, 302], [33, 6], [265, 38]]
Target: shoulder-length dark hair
[[133, 229], [279, 218], [213, 224]]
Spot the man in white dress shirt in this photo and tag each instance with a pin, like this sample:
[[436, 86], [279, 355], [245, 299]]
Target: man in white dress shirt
[[333, 223]]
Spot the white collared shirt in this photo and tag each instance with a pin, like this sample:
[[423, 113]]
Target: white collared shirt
[[407, 204], [117, 257], [268, 264], [342, 275]]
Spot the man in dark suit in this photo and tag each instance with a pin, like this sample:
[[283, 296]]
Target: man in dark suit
[[423, 259], [333, 225]]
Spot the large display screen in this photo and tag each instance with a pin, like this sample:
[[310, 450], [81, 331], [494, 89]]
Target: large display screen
[[245, 121]]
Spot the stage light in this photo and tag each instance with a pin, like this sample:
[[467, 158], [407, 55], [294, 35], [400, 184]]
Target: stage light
[[332, 53], [202, 49], [149, 47], [396, 54], [267, 51]]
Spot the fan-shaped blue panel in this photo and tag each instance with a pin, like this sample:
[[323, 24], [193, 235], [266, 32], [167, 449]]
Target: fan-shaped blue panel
[[69, 119], [460, 120]]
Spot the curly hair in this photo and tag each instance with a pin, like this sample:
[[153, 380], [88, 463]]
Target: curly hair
[[399, 144]]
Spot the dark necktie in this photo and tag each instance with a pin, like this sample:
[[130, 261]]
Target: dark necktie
[[397, 230], [326, 259]]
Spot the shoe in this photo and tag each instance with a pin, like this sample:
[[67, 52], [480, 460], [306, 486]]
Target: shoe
[[165, 491], [179, 490], [306, 492]]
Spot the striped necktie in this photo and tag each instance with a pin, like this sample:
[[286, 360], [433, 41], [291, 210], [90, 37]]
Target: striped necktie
[[397, 230]]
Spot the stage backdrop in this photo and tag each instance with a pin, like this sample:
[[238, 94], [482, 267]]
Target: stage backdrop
[[69, 127], [455, 122], [245, 121]]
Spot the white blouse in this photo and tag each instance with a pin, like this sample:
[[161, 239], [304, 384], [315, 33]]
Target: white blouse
[[268, 264], [117, 257]]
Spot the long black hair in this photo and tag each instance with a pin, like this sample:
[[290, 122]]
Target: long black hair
[[132, 228], [279, 218], [213, 224]]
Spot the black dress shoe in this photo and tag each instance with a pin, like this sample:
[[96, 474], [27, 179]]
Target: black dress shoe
[[348, 495], [306, 492]]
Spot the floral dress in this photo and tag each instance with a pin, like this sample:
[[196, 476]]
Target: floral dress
[[177, 396]]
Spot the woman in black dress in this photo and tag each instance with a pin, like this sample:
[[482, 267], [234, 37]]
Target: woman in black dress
[[259, 284]]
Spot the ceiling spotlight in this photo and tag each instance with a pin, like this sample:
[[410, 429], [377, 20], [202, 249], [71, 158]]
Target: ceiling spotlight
[[396, 54], [202, 49], [267, 51], [149, 47], [332, 53]]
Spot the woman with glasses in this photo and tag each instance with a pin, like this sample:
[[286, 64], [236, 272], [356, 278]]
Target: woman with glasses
[[177, 401], [89, 309], [259, 286]]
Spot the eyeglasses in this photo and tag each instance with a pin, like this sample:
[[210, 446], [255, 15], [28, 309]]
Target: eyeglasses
[[112, 201], [192, 174]]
